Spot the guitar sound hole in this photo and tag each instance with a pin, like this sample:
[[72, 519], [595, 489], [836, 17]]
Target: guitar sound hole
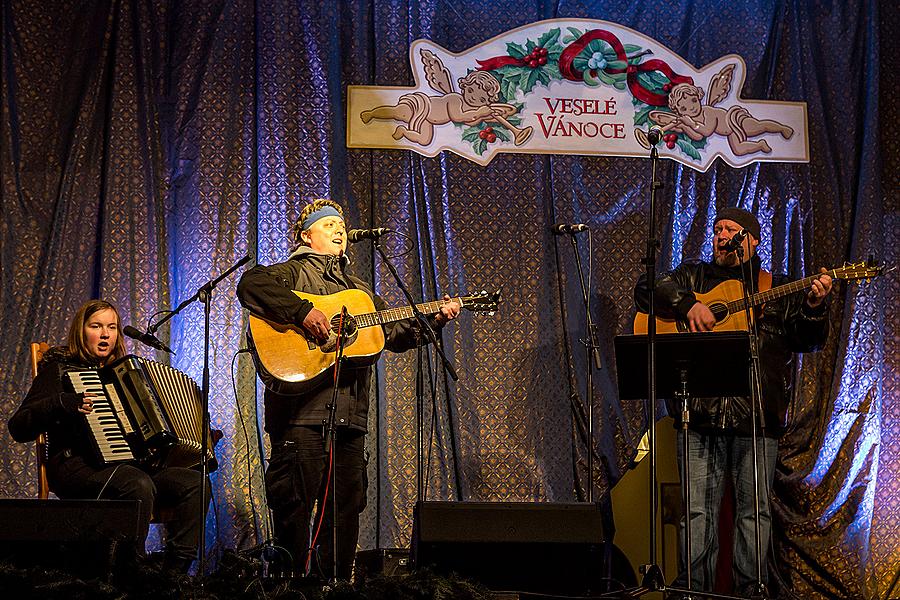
[[719, 311], [350, 325]]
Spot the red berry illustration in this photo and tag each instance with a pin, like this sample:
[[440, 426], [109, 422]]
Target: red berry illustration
[[670, 144], [491, 138], [482, 134], [488, 130], [542, 60], [542, 51], [667, 87]]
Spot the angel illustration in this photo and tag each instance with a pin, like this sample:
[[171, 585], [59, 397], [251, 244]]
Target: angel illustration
[[475, 102], [699, 121]]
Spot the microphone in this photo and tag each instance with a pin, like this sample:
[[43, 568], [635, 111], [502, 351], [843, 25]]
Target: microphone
[[358, 235], [562, 228], [736, 240], [654, 135], [148, 339]]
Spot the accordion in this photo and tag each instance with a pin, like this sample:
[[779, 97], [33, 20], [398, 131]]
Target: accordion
[[146, 412]]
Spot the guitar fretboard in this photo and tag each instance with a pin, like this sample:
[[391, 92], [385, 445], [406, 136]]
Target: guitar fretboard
[[778, 292], [382, 317]]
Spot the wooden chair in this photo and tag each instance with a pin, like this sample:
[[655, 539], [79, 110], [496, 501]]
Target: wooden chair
[[37, 352]]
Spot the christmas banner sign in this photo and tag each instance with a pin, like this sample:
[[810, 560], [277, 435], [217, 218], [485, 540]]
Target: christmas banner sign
[[575, 86]]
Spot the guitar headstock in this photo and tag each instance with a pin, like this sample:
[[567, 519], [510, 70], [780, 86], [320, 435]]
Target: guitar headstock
[[482, 302], [859, 271]]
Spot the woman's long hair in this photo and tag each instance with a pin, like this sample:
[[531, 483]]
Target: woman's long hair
[[78, 347]]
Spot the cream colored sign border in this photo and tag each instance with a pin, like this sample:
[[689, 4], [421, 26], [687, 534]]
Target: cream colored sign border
[[448, 136]]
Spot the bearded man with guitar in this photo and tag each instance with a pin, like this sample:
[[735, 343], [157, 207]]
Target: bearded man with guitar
[[297, 408], [707, 296]]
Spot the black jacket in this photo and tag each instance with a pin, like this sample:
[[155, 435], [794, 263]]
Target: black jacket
[[787, 325], [51, 408], [266, 292]]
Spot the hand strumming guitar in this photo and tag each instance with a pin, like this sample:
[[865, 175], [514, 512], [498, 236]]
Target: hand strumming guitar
[[700, 318], [317, 325]]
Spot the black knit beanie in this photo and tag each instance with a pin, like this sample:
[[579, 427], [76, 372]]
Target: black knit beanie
[[744, 218]]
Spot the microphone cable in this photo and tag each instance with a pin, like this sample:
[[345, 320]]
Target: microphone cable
[[249, 459]]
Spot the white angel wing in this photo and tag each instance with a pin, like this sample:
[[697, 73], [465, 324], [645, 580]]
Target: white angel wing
[[720, 85], [436, 74]]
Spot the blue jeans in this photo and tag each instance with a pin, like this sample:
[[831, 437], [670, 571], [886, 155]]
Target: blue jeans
[[711, 458]]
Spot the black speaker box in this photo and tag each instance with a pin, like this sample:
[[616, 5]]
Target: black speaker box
[[83, 537], [540, 548]]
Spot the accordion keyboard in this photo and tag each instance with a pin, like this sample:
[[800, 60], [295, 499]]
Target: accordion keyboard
[[102, 421]]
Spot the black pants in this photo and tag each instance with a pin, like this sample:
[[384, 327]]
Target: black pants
[[295, 479], [174, 488]]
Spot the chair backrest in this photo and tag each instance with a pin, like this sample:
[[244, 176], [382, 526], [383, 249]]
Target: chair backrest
[[37, 352]]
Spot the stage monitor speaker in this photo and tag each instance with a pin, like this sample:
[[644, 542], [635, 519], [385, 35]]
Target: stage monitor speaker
[[79, 536], [527, 547]]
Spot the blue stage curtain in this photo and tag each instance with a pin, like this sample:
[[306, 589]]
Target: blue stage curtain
[[146, 146]]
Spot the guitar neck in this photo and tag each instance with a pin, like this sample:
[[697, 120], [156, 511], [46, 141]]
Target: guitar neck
[[383, 317], [778, 292]]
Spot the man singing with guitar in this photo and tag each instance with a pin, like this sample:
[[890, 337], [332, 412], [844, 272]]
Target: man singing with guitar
[[296, 409], [698, 296]]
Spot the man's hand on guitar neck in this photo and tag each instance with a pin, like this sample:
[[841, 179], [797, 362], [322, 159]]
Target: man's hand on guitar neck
[[700, 318], [449, 311], [820, 288]]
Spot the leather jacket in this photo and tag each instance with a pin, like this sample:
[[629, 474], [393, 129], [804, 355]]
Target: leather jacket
[[786, 326]]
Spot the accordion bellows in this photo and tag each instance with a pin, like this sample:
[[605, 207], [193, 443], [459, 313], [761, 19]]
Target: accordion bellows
[[146, 412]]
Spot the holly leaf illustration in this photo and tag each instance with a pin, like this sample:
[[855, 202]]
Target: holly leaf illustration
[[523, 80], [550, 37], [515, 50], [688, 148], [532, 80], [501, 133], [642, 117], [471, 134], [479, 146], [552, 70], [573, 35], [508, 89]]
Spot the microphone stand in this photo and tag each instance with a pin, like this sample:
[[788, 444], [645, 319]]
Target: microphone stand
[[653, 576], [420, 391], [653, 580], [756, 409], [592, 359], [204, 294], [330, 432]]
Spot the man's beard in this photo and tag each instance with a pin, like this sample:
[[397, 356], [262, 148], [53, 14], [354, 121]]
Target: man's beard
[[729, 259]]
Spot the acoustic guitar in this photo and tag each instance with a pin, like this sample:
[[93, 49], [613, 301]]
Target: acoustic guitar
[[290, 361], [727, 302]]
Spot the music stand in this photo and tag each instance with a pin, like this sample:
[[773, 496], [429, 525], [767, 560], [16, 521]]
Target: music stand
[[688, 365]]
